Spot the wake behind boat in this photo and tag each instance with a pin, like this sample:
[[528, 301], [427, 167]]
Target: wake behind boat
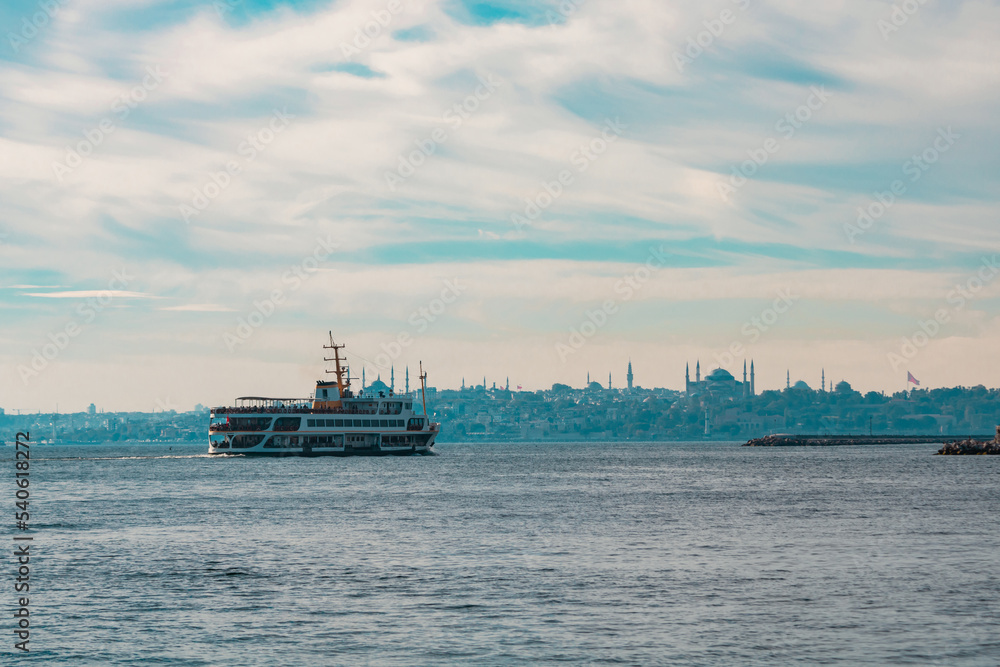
[[333, 422]]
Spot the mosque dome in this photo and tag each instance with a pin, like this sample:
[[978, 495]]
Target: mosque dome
[[720, 375], [801, 385], [377, 386]]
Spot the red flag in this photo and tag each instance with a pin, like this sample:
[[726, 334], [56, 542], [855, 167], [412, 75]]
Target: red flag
[[910, 378], [518, 386]]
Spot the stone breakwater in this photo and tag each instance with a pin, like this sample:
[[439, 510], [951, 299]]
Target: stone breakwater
[[972, 447], [839, 440]]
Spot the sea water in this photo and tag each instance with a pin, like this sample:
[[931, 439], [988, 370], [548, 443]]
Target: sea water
[[516, 553]]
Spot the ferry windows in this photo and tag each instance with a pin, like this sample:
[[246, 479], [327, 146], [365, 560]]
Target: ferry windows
[[287, 423], [310, 422], [409, 406], [415, 424], [366, 423], [383, 423], [246, 441], [357, 423], [335, 422], [249, 423]]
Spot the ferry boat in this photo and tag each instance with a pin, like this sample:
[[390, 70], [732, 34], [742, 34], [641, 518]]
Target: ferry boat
[[335, 421]]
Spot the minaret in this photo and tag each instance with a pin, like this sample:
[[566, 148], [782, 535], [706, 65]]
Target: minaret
[[484, 383], [788, 379], [753, 391], [824, 380], [697, 371], [687, 377], [746, 387], [507, 387], [463, 384], [408, 380], [629, 375], [609, 380], [588, 378], [392, 379], [363, 385]]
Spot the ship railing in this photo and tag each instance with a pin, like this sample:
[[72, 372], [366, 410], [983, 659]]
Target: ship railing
[[284, 411]]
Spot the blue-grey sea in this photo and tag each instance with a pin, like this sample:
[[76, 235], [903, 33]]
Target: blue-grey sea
[[515, 553]]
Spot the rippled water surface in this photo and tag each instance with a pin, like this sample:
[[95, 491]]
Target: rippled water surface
[[638, 554]]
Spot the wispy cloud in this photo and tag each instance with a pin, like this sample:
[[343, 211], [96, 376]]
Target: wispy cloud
[[86, 294], [227, 68], [201, 308]]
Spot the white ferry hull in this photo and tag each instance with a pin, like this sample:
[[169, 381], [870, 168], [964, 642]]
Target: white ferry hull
[[267, 448], [322, 443]]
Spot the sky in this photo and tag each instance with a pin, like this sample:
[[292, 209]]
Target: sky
[[194, 194]]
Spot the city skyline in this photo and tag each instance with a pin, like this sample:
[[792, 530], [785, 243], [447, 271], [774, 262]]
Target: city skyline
[[194, 194], [691, 387]]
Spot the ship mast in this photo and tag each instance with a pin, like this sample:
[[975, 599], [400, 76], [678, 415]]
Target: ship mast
[[423, 387], [343, 375]]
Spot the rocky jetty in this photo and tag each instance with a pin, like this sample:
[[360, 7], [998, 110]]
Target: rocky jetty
[[972, 447], [791, 440]]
